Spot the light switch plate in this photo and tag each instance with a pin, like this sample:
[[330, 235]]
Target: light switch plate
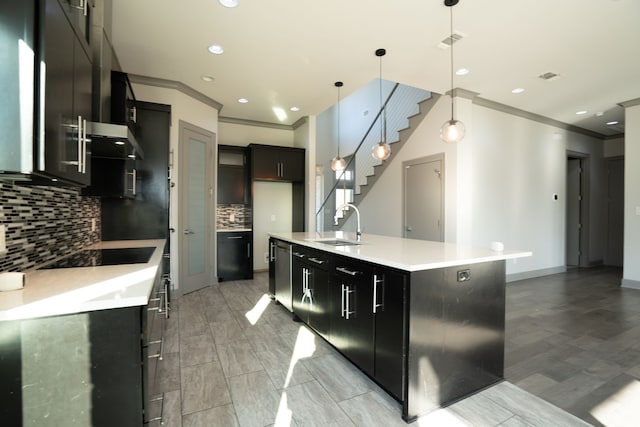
[[3, 239]]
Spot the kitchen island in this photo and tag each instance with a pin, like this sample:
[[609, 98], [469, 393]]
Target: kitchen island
[[425, 320], [79, 346]]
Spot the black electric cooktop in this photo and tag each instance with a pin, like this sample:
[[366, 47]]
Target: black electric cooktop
[[97, 257]]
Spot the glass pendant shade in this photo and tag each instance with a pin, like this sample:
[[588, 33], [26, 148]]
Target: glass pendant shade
[[338, 164], [381, 151], [452, 131]]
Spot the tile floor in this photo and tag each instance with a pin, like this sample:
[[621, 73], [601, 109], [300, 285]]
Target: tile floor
[[233, 358]]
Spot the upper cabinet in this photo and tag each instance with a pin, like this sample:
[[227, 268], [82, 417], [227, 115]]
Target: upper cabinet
[[67, 108], [272, 163], [46, 48], [123, 100], [233, 176]]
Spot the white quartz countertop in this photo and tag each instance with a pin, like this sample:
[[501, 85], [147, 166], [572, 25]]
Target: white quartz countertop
[[400, 253], [61, 291]]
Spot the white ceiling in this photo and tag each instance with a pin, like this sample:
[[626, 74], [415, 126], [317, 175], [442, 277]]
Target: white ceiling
[[283, 53]]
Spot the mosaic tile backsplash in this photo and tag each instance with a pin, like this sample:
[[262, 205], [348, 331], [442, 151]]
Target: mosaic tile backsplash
[[230, 217], [44, 223]]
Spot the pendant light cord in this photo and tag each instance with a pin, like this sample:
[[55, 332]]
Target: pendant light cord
[[451, 41], [338, 120]]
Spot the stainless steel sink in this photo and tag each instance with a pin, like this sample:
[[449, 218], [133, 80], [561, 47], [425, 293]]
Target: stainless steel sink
[[337, 242]]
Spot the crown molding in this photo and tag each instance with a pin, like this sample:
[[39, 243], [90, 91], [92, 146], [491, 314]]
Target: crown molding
[[245, 122], [179, 86], [630, 103], [535, 117]]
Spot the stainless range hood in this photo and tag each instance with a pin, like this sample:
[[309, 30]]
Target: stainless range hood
[[110, 140]]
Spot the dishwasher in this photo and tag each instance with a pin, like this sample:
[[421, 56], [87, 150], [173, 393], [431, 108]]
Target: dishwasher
[[283, 292]]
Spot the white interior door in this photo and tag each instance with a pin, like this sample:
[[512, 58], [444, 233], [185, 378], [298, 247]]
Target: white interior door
[[423, 199], [197, 253]]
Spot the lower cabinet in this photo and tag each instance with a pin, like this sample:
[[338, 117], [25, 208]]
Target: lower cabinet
[[352, 318], [359, 307], [83, 369], [310, 277], [235, 259]]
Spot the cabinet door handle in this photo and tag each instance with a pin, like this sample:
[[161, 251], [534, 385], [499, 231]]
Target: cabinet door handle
[[349, 272], [234, 237], [248, 249], [347, 310], [134, 114], [316, 260], [84, 139], [298, 254], [377, 281], [80, 144], [342, 301]]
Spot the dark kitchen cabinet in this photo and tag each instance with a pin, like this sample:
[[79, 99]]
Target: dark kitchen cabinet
[[123, 100], [235, 256], [233, 176], [147, 215], [390, 310], [310, 277], [272, 163], [67, 99], [352, 318], [113, 178]]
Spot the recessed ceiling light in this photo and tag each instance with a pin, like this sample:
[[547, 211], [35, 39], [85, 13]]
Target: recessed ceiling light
[[229, 3], [581, 112], [215, 49], [614, 122], [243, 100], [462, 71], [517, 90], [294, 109], [207, 78]]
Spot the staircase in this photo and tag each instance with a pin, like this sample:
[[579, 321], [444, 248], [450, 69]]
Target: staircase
[[406, 107]]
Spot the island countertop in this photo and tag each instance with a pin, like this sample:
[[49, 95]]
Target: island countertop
[[62, 291], [403, 254]]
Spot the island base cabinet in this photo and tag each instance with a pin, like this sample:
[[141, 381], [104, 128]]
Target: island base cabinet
[[310, 289], [389, 306], [456, 334], [351, 321]]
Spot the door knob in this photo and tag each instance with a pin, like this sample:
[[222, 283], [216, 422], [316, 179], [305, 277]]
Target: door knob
[[187, 231], [409, 228]]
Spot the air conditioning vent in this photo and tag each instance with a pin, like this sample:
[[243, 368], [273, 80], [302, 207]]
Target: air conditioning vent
[[549, 76], [449, 40]]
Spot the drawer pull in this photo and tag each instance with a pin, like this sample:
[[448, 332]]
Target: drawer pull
[[349, 272], [317, 261]]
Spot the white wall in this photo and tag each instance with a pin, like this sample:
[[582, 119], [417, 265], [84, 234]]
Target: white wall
[[503, 176], [243, 135], [272, 212], [190, 110], [614, 147], [631, 273]]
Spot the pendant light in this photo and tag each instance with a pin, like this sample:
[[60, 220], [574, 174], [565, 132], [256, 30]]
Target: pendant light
[[382, 150], [452, 130], [338, 164]]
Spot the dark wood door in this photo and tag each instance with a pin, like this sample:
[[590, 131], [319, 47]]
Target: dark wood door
[[291, 164], [390, 328], [234, 256], [265, 163], [146, 217], [231, 184], [351, 327], [61, 147]]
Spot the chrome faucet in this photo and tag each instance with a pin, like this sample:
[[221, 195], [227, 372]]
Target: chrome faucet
[[347, 206]]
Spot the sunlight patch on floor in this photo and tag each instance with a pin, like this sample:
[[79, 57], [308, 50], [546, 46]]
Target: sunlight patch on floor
[[254, 314], [620, 407], [284, 415]]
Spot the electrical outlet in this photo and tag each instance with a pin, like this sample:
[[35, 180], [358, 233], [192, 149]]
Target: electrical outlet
[[3, 240]]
